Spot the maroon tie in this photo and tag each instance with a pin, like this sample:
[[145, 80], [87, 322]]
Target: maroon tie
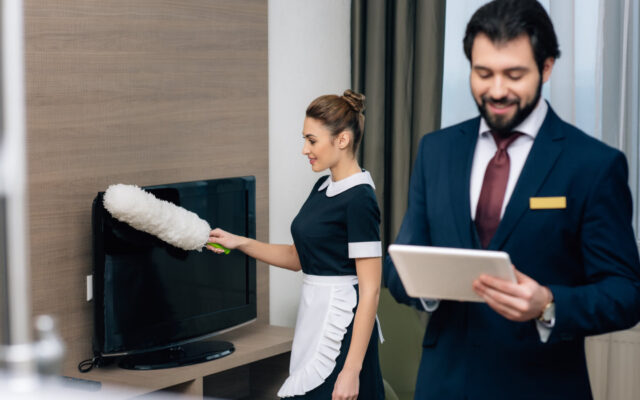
[[493, 188]]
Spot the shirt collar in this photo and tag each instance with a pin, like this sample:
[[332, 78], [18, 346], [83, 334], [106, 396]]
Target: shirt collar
[[530, 126], [337, 187]]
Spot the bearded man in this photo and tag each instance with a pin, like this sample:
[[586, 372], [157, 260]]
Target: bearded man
[[519, 179]]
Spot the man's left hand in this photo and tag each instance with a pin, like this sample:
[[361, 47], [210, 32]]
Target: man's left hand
[[520, 301]]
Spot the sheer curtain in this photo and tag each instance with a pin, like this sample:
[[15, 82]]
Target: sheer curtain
[[594, 85], [618, 53], [613, 357]]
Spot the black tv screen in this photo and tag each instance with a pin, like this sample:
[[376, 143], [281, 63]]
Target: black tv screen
[[150, 295]]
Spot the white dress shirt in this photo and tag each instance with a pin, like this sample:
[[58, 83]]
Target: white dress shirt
[[518, 151]]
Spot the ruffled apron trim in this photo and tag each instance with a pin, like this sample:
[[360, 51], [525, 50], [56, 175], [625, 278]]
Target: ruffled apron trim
[[380, 337], [325, 325]]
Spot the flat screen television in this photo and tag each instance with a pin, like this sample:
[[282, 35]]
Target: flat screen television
[[155, 304]]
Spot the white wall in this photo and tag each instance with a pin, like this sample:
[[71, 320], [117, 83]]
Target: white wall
[[309, 55]]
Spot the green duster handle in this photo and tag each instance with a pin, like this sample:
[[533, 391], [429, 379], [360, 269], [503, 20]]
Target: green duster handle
[[219, 246]]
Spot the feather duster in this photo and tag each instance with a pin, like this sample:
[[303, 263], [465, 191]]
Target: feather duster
[[165, 220]]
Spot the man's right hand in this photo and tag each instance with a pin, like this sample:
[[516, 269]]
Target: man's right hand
[[521, 301]]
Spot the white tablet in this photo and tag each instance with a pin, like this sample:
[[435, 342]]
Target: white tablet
[[447, 273]]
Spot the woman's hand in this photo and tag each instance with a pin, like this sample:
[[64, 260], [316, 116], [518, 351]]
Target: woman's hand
[[224, 238], [347, 385]]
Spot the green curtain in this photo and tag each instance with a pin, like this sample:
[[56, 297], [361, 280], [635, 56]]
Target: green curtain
[[397, 57]]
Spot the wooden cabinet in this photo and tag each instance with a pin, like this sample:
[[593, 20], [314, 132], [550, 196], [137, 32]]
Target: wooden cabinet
[[256, 368]]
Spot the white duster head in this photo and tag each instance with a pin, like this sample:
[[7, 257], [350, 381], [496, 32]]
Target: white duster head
[[143, 211]]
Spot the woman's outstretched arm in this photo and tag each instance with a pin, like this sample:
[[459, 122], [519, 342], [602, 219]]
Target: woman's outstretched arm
[[280, 255]]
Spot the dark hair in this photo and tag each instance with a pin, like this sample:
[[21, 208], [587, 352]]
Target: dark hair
[[340, 113], [504, 20]]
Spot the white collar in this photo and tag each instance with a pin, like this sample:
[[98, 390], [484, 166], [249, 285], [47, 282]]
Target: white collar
[[337, 187], [530, 126]]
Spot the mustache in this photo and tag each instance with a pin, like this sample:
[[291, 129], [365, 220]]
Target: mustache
[[503, 101]]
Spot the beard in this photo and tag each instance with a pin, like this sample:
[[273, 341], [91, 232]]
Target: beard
[[502, 124]]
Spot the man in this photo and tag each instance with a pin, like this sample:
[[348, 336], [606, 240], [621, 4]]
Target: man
[[520, 180]]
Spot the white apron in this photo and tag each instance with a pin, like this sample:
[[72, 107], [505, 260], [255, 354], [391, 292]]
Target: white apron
[[324, 314]]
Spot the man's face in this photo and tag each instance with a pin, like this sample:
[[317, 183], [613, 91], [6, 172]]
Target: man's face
[[505, 80]]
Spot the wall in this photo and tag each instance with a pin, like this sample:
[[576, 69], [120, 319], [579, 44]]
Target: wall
[[309, 55], [143, 92]]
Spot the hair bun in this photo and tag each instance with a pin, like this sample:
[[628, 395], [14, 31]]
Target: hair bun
[[354, 99]]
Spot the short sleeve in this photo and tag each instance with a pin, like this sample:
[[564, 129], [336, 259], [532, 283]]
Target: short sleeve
[[363, 226]]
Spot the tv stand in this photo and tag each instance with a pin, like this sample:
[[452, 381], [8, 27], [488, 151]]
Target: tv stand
[[177, 356], [261, 354]]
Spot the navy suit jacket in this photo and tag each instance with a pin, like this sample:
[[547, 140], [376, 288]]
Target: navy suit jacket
[[585, 253]]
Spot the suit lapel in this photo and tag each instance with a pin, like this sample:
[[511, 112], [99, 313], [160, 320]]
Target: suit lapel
[[461, 156], [543, 155]]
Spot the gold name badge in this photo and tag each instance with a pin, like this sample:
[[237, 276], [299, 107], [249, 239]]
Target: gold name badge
[[547, 203]]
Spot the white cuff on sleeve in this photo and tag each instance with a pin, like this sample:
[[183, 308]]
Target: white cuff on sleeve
[[365, 249], [544, 330]]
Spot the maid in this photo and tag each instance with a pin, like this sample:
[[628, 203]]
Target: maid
[[337, 245]]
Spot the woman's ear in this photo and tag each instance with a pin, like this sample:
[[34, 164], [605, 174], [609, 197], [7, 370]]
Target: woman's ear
[[344, 139]]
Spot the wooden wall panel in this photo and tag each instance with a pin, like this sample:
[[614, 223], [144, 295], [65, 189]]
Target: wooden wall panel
[[144, 92]]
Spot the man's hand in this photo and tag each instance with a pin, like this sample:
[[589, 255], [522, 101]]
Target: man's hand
[[521, 301]]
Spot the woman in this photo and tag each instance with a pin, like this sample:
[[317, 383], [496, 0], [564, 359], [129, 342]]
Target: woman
[[337, 245]]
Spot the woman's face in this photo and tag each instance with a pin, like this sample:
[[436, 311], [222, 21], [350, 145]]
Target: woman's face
[[322, 149]]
